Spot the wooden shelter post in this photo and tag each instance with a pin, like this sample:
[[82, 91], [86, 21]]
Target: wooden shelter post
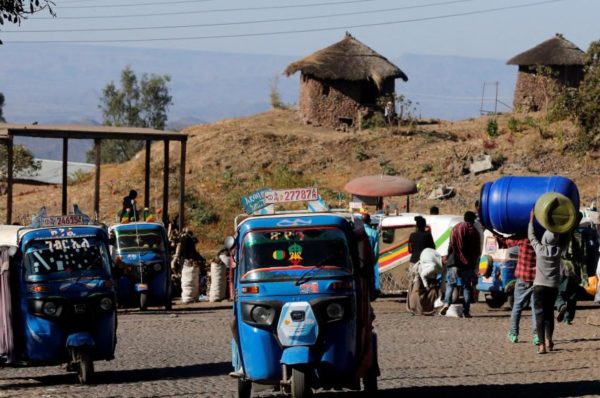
[[182, 185], [147, 174], [9, 179], [165, 205], [65, 174], [98, 149]]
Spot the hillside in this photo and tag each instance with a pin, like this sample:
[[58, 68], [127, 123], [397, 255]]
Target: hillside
[[234, 157]]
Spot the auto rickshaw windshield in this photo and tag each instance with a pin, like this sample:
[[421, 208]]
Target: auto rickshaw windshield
[[286, 254], [54, 258], [142, 240]]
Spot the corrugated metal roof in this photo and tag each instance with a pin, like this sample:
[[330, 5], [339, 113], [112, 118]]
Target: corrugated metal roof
[[88, 132], [51, 171]]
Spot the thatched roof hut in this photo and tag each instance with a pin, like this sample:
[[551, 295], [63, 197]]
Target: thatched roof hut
[[341, 81], [565, 62], [554, 51]]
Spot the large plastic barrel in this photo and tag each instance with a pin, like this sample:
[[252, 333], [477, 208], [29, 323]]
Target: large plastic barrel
[[505, 204]]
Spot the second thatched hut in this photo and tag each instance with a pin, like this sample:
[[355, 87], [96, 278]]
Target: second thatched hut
[[343, 82], [556, 60]]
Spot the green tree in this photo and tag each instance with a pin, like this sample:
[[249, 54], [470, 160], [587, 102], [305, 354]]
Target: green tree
[[24, 164], [14, 11], [136, 103], [588, 101]]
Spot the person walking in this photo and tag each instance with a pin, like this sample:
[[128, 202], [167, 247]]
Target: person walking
[[373, 235], [523, 291], [464, 251], [573, 272], [545, 284]]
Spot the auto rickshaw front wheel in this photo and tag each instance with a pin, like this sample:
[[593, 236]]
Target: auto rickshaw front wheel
[[86, 367], [370, 381], [300, 385], [244, 388]]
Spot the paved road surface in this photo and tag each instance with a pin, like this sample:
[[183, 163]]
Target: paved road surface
[[186, 353]]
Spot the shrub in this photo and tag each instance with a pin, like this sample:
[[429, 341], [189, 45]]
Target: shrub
[[78, 177], [372, 121], [387, 168], [201, 212], [361, 154], [492, 127], [514, 125], [426, 168]]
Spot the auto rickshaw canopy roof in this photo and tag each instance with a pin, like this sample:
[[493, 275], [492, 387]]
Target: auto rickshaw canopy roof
[[381, 185]]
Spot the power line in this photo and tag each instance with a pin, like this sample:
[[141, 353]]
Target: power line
[[131, 5], [258, 34], [241, 22], [214, 10]]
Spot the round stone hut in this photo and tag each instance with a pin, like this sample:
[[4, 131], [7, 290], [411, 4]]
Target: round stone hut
[[556, 60], [341, 83]]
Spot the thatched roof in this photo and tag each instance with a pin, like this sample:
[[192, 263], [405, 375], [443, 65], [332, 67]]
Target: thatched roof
[[348, 59], [556, 51]]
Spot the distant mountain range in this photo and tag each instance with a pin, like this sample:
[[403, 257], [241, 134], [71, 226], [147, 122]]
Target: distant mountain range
[[62, 83]]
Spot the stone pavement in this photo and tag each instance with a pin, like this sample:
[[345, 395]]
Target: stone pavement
[[186, 353]]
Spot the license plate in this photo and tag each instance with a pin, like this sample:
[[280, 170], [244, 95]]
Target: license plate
[[79, 308]]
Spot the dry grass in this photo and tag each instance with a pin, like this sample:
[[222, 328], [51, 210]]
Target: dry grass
[[234, 157]]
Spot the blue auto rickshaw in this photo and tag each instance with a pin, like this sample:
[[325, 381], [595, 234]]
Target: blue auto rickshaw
[[140, 252], [58, 300], [303, 283], [496, 279]]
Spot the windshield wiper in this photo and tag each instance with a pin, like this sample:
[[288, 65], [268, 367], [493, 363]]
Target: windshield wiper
[[305, 277]]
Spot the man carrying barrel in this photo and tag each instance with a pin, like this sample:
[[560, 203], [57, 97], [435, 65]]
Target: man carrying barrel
[[463, 255]]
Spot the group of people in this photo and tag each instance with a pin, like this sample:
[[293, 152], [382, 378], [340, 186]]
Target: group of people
[[548, 274]]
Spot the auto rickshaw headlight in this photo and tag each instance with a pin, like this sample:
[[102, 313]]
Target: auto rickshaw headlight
[[106, 304], [50, 308], [335, 311], [262, 315], [157, 267]]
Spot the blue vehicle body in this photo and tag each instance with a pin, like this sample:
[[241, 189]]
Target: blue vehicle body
[[63, 296], [497, 277], [302, 288], [141, 256]]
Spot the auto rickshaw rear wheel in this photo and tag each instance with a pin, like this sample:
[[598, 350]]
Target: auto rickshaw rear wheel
[[244, 388], [495, 300], [86, 367], [300, 386], [143, 301]]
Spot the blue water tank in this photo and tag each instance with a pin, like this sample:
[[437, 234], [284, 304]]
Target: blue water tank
[[505, 204]]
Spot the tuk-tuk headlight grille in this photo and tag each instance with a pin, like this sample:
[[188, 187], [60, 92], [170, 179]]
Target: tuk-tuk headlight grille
[[106, 304], [262, 315], [335, 311], [157, 267], [50, 308]]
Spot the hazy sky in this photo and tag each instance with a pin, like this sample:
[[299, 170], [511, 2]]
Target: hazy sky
[[394, 26]]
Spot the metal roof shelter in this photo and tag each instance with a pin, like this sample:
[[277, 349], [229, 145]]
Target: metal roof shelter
[[98, 133]]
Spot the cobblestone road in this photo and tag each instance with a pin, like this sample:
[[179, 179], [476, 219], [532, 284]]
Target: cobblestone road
[[186, 353]]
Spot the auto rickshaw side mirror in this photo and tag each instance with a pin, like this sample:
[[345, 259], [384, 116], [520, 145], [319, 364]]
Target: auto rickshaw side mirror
[[229, 242]]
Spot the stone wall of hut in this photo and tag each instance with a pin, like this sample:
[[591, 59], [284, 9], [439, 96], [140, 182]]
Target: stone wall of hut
[[533, 92], [329, 103], [336, 103]]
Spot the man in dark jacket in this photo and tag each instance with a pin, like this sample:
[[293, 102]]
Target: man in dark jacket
[[463, 255], [419, 240]]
